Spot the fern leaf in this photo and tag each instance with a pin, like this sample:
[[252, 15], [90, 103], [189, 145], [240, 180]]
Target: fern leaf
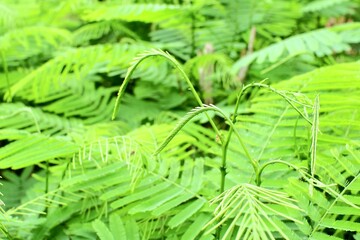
[[157, 201], [101, 230], [196, 227], [332, 8], [7, 16], [97, 30], [54, 219], [132, 229], [33, 120], [320, 236], [134, 12], [117, 227], [316, 42], [139, 195], [246, 202], [18, 186], [341, 224], [97, 177], [73, 64], [32, 41], [34, 149], [186, 213]]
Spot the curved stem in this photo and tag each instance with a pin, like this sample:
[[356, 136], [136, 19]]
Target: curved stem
[[227, 141], [287, 99], [261, 169], [177, 66]]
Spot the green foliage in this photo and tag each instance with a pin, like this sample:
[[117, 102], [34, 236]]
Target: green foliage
[[253, 159]]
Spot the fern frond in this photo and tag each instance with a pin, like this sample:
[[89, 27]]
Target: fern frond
[[34, 149], [332, 8], [175, 63], [117, 229], [58, 216], [337, 159], [7, 16], [134, 12], [102, 231], [23, 43], [97, 30], [246, 203], [320, 42], [17, 184], [332, 210], [74, 64], [32, 120]]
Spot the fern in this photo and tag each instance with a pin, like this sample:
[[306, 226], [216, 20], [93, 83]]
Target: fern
[[279, 161], [7, 17], [244, 205], [97, 30], [24, 43], [319, 42], [133, 12], [333, 8]]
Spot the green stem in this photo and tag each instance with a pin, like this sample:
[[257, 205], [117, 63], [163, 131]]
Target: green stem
[[227, 141], [47, 183], [254, 163], [261, 169], [223, 167]]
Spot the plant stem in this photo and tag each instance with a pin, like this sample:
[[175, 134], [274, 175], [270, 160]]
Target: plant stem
[[223, 167], [261, 169], [227, 141], [47, 183], [177, 65]]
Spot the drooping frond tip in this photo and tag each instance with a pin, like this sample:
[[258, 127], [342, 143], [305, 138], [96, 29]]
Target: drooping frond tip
[[136, 61]]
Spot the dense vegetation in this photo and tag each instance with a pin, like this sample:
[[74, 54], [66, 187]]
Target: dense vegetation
[[235, 119]]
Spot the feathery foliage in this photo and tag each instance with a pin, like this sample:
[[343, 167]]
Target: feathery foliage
[[253, 159]]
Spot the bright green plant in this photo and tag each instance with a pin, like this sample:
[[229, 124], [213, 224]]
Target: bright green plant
[[236, 195], [254, 160], [176, 187]]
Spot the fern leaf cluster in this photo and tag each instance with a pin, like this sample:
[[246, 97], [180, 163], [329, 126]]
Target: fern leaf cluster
[[98, 139]]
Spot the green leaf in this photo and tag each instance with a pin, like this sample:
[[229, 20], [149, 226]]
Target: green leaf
[[132, 229], [186, 213], [101, 230], [117, 227], [341, 224], [35, 149], [154, 202], [196, 227], [323, 236]]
